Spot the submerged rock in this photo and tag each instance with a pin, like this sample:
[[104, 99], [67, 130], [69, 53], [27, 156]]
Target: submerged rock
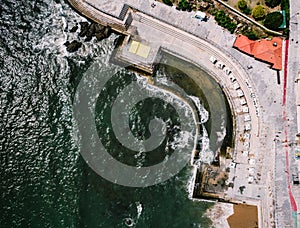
[[73, 46], [74, 29]]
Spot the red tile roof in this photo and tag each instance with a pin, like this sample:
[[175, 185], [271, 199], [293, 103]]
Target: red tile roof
[[266, 50]]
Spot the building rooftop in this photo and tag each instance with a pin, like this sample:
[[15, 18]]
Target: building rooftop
[[266, 50]]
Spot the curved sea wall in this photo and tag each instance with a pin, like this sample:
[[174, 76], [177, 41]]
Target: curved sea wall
[[161, 37]]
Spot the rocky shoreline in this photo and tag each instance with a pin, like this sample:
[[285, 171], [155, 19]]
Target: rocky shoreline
[[87, 30]]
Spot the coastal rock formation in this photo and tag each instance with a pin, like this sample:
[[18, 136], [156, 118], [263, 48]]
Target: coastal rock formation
[[74, 29], [88, 30], [73, 46]]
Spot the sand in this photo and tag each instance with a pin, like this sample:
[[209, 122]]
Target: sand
[[219, 213], [245, 216]]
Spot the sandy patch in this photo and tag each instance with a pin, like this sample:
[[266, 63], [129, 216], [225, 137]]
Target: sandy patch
[[245, 216], [219, 213]]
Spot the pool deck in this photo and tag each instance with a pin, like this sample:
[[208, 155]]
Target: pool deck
[[257, 112]]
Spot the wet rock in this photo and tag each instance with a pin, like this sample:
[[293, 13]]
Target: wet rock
[[100, 36], [84, 27], [74, 29], [73, 46], [104, 34], [90, 32], [107, 32], [99, 28]]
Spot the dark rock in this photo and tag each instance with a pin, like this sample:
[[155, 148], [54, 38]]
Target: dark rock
[[84, 27], [100, 36], [74, 29], [103, 34], [107, 32], [99, 28], [73, 46], [91, 30]]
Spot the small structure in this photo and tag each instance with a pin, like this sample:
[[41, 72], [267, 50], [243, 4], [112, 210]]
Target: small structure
[[213, 59], [243, 101], [139, 49], [245, 109], [250, 179], [247, 118], [295, 179], [221, 65], [227, 70], [248, 127], [232, 78], [283, 25], [240, 93], [269, 51], [236, 85]]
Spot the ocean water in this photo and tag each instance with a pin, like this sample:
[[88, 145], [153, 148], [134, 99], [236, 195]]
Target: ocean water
[[44, 181]]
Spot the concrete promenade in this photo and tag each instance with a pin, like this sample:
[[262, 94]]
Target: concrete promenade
[[257, 111]]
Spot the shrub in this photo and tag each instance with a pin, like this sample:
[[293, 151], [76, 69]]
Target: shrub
[[225, 21], [252, 35], [247, 11], [242, 4], [273, 20], [286, 32], [272, 3], [259, 12], [183, 5], [168, 2]]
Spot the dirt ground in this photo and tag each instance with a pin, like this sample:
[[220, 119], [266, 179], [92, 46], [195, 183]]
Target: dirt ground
[[245, 216]]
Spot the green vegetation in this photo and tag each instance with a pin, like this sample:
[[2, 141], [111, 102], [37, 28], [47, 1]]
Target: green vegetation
[[183, 5], [168, 2], [252, 35], [272, 3], [242, 4], [258, 12], [225, 21], [247, 11], [273, 20]]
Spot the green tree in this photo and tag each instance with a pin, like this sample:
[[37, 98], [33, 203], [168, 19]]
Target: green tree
[[258, 12], [252, 35], [272, 3], [183, 5], [242, 4], [247, 11], [273, 20], [168, 2], [225, 21]]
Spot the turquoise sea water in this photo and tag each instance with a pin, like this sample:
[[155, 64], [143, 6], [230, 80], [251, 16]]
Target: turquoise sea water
[[44, 181]]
